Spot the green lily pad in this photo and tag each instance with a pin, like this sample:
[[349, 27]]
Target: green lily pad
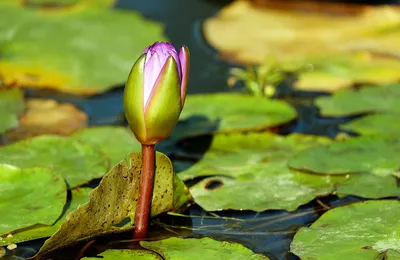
[[367, 99], [378, 124], [52, 3], [127, 254], [113, 202], [22, 200], [175, 248], [79, 58], [79, 196], [250, 172], [113, 141], [231, 112], [375, 154], [11, 105], [360, 231], [181, 249], [369, 185], [78, 162]]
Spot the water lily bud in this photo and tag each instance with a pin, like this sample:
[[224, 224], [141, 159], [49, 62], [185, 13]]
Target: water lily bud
[[155, 92]]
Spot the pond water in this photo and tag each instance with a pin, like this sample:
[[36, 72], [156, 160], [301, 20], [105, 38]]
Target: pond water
[[268, 232]]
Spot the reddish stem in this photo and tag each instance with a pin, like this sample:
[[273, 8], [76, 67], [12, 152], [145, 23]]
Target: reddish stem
[[143, 207]]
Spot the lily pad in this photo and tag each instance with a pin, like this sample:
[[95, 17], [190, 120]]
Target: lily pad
[[334, 72], [52, 3], [232, 112], [11, 105], [113, 202], [22, 200], [175, 248], [113, 141], [289, 32], [367, 99], [360, 231], [375, 154], [250, 172], [126, 254], [78, 162], [369, 185], [338, 50], [48, 117], [93, 52], [377, 124], [79, 196]]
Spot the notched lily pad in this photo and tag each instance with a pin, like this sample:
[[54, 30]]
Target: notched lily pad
[[231, 112], [79, 196], [11, 105], [375, 154], [113, 202], [377, 124], [79, 58], [114, 141], [250, 172], [22, 200], [78, 162], [360, 231], [366, 99], [48, 117], [175, 248]]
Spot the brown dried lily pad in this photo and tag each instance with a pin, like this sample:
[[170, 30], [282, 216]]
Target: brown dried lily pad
[[48, 117]]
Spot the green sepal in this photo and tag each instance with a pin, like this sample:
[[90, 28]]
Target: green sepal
[[164, 105], [133, 99]]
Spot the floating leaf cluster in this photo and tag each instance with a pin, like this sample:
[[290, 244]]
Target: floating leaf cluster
[[61, 165]]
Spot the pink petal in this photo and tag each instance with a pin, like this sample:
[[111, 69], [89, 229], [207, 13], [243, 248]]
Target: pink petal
[[152, 68]]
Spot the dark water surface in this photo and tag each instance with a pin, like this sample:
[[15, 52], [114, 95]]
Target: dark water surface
[[270, 232]]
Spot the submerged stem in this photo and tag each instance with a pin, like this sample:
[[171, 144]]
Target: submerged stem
[[143, 207]]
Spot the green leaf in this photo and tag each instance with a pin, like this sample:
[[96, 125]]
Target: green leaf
[[231, 112], [367, 99], [375, 154], [368, 185], [113, 141], [79, 196], [378, 124], [175, 248], [252, 174], [11, 105], [113, 202], [53, 3], [78, 162], [79, 58], [127, 254], [24, 203], [360, 231]]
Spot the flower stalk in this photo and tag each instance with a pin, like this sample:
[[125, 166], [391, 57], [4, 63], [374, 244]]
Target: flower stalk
[[143, 207]]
